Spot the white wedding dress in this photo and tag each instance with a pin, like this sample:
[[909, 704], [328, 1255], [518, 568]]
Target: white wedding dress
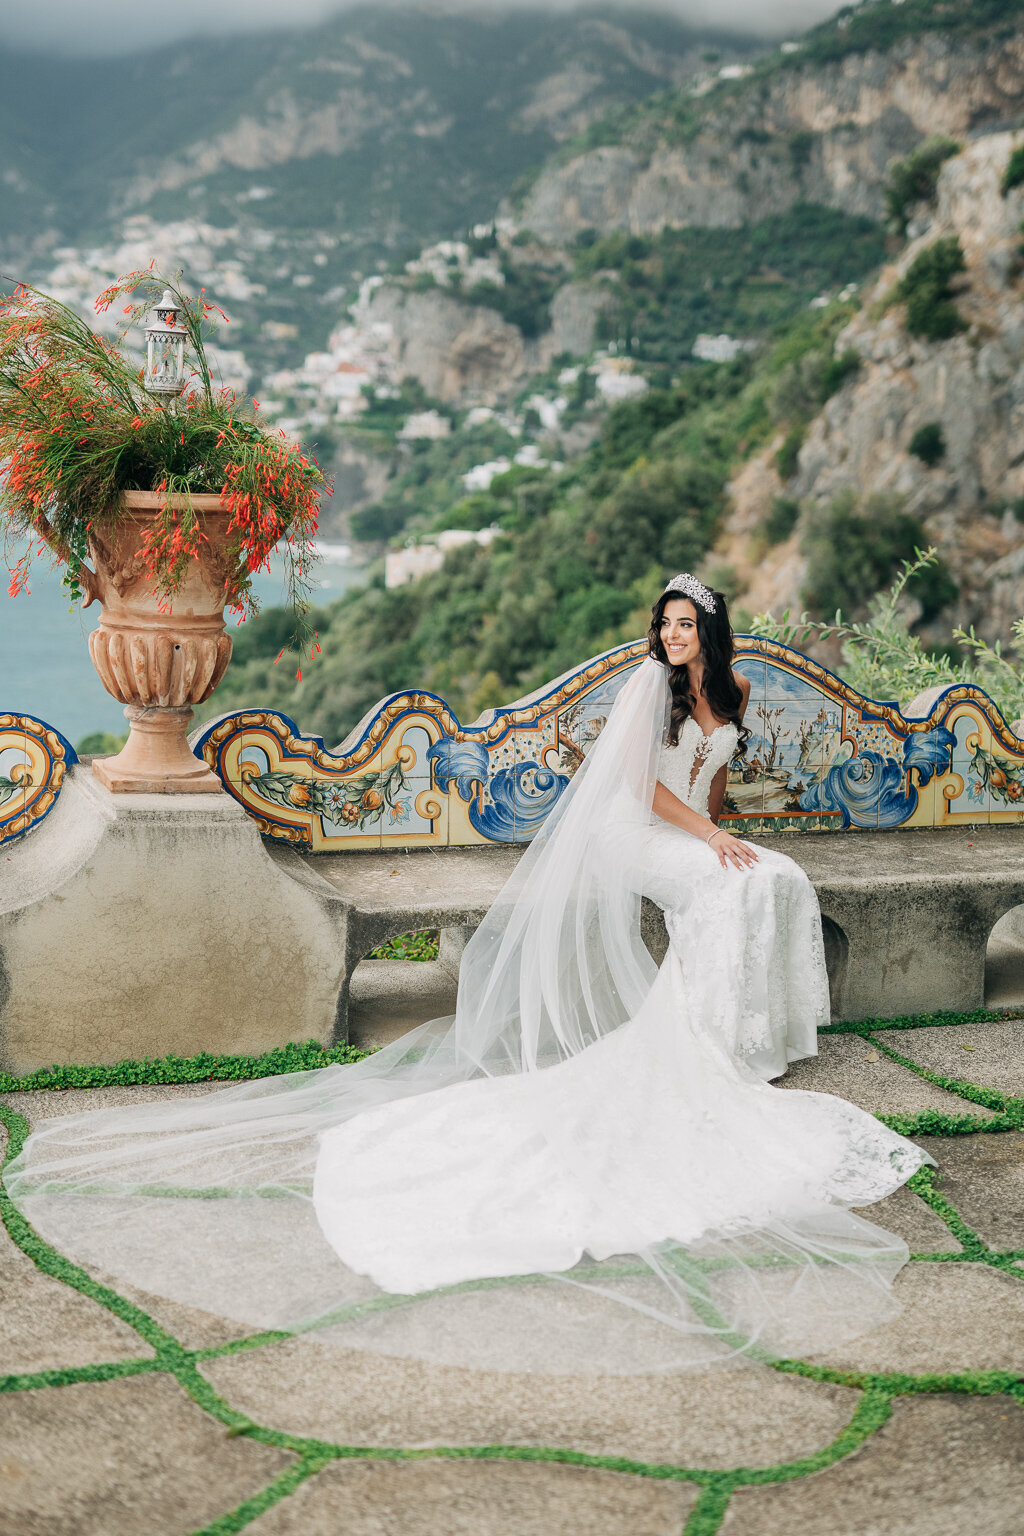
[[587, 1169]]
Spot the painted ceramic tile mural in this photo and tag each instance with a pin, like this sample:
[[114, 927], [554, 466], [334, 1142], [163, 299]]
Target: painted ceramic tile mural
[[820, 757], [33, 761]]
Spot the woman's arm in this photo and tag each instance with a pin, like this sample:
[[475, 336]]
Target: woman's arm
[[729, 849]]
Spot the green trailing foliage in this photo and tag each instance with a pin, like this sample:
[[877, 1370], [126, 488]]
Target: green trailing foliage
[[297, 1056], [927, 289], [913, 179], [943, 1020]]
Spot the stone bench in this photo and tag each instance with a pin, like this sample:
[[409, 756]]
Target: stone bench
[[906, 916]]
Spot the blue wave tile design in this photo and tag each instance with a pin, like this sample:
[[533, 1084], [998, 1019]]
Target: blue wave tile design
[[870, 790], [459, 763], [516, 811]]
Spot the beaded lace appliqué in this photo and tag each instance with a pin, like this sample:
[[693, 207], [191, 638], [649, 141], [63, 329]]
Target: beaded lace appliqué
[[689, 768]]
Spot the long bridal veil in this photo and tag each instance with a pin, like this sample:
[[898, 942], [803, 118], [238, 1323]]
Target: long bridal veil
[[213, 1201]]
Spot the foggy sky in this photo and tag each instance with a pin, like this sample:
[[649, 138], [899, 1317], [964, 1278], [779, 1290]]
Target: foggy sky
[[120, 26]]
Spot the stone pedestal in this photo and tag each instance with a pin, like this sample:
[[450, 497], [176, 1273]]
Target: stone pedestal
[[141, 925], [157, 759]]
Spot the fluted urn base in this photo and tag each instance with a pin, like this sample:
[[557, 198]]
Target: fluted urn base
[[157, 759]]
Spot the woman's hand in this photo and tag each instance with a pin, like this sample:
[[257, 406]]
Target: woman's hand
[[731, 850]]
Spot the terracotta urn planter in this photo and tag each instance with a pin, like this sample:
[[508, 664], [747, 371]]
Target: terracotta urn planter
[[159, 656]]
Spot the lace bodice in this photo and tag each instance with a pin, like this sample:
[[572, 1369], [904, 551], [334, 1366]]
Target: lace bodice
[[689, 768]]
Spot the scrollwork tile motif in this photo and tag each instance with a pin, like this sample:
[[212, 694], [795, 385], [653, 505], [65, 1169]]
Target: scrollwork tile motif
[[34, 759]]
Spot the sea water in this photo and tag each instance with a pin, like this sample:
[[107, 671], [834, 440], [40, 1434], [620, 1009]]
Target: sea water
[[44, 647]]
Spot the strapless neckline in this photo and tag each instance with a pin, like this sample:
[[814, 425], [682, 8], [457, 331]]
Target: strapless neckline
[[708, 735]]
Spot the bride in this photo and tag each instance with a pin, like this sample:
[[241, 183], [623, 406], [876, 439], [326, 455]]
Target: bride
[[586, 1169]]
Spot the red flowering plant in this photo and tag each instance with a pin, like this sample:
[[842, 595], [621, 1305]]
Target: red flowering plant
[[77, 428]]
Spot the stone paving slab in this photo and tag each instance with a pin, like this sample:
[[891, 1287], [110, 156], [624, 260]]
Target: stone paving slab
[[905, 1215], [995, 1058], [983, 1177], [191, 1327], [133, 1457], [942, 1466], [489, 1498], [956, 1317], [850, 1066], [45, 1325], [715, 1419]]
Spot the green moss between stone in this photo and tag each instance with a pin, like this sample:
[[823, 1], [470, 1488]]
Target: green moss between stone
[[296, 1056]]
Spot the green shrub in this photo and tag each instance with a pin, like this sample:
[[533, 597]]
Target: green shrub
[[854, 548], [1014, 173], [840, 369], [927, 291], [632, 426], [787, 458], [103, 744], [801, 147], [749, 282], [408, 946], [781, 519], [928, 443], [913, 179], [524, 299]]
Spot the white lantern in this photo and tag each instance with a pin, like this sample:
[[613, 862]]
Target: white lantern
[[165, 349]]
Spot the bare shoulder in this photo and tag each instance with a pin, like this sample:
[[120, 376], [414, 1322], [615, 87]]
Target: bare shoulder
[[743, 684]]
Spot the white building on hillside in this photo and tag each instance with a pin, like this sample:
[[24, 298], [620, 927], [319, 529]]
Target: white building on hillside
[[402, 566]]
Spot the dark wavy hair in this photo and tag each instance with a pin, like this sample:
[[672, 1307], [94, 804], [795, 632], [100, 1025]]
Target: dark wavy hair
[[716, 647]]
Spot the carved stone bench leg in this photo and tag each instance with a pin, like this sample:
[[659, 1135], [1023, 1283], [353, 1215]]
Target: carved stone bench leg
[[452, 945], [910, 951]]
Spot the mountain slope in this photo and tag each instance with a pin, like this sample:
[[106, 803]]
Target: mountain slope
[[352, 143], [930, 424], [815, 125], [798, 474]]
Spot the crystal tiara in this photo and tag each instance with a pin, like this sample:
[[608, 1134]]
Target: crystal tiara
[[692, 588]]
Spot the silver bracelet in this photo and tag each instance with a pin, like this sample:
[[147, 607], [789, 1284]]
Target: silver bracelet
[[714, 834]]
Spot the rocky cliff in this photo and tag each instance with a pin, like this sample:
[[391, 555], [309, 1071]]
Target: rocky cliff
[[815, 133], [970, 386], [467, 354]]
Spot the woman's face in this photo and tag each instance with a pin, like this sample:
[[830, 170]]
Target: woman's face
[[679, 632]]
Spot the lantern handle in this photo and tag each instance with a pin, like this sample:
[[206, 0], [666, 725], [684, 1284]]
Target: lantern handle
[[86, 575]]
